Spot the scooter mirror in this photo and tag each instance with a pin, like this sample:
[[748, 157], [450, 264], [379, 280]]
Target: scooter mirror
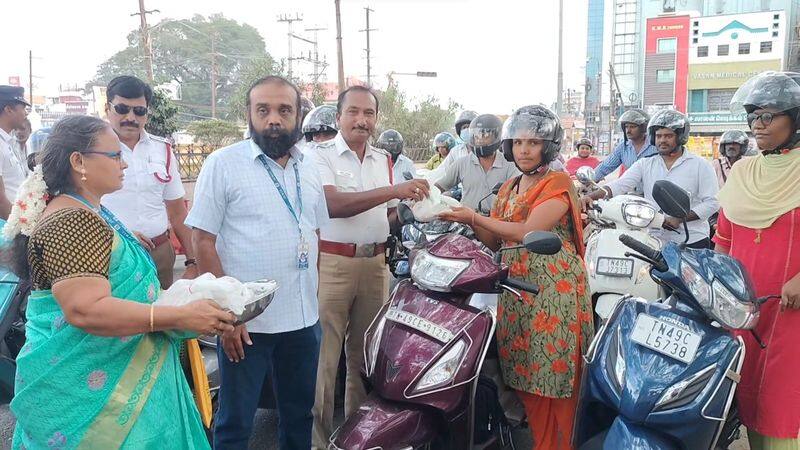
[[585, 175], [404, 214], [496, 188], [542, 242], [672, 199]]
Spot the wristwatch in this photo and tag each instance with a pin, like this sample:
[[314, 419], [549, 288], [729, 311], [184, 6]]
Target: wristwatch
[[190, 262]]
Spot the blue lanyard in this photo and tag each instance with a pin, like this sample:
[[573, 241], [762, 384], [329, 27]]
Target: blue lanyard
[[112, 221], [285, 198]]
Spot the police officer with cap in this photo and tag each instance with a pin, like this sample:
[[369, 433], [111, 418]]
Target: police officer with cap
[[13, 113]]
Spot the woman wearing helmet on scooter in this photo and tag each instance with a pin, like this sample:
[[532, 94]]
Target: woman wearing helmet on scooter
[[759, 225], [540, 338]]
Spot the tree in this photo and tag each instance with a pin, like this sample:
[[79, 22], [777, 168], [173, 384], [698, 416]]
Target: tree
[[182, 51], [250, 73], [215, 133], [163, 120], [417, 123]]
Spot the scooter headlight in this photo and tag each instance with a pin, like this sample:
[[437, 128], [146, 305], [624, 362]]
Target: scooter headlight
[[718, 302], [591, 257], [638, 215], [684, 392], [444, 370], [434, 273], [697, 285], [731, 312]]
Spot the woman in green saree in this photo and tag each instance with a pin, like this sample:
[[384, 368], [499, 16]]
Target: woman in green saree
[[97, 369]]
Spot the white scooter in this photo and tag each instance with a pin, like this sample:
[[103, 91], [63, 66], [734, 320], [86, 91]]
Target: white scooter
[[612, 273]]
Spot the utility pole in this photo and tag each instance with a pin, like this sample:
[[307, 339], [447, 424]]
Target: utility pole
[[369, 61], [560, 99], [214, 75], [144, 34], [339, 55], [30, 77], [317, 63], [289, 20]]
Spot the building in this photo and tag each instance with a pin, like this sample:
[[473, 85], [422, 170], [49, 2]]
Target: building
[[666, 62], [727, 50], [621, 37]]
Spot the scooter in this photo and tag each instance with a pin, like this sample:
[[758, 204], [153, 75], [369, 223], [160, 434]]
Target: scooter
[[13, 298], [425, 349], [662, 375], [612, 274]]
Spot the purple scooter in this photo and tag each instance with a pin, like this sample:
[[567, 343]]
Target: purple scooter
[[425, 348]]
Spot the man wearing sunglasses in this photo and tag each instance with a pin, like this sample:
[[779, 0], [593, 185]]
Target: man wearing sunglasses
[[152, 196], [13, 113]]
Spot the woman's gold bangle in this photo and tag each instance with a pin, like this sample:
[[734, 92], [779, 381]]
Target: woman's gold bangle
[[152, 309]]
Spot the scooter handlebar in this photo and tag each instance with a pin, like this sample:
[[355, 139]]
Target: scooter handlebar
[[645, 250], [522, 285]]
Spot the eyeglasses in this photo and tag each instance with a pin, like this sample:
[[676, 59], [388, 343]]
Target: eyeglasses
[[766, 117], [124, 109], [116, 156]]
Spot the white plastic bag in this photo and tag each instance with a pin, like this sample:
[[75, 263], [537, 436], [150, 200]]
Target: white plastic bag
[[428, 210], [228, 292]]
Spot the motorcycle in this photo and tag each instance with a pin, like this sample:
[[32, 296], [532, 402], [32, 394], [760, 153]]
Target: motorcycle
[[425, 350], [611, 274], [662, 375]]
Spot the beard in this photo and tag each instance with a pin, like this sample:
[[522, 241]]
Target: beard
[[275, 142]]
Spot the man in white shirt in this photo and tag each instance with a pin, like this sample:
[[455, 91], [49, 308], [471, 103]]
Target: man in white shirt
[[460, 150], [669, 132], [20, 144], [258, 206], [392, 141], [151, 201], [353, 275], [483, 169], [13, 113]]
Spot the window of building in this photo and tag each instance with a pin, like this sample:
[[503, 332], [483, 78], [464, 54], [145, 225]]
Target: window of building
[[694, 41], [774, 34], [697, 100], [776, 16], [744, 49], [719, 99], [702, 51], [665, 76], [766, 47], [669, 45], [722, 50], [776, 25]]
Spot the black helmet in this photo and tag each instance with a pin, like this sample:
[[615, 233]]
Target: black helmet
[[320, 119], [583, 141], [306, 106], [529, 122], [464, 119], [484, 134], [674, 120], [391, 141]]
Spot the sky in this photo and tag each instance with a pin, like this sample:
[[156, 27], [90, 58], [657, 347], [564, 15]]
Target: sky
[[490, 55]]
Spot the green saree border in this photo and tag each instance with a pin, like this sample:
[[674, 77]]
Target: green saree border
[[112, 425]]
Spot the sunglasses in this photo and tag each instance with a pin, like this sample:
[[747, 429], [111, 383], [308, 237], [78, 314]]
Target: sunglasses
[[123, 109], [117, 155], [766, 118]]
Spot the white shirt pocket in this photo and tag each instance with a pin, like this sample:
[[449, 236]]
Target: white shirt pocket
[[346, 181]]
